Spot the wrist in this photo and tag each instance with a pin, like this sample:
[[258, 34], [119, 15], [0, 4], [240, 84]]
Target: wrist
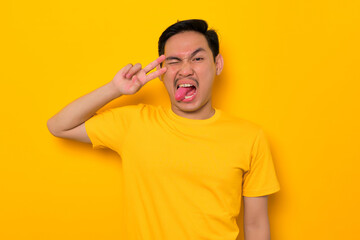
[[112, 91]]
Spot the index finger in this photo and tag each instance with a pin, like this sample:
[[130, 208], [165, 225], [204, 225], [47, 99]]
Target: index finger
[[153, 64]]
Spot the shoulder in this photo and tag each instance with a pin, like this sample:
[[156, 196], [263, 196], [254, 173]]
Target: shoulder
[[128, 108], [138, 112], [131, 109], [240, 124]]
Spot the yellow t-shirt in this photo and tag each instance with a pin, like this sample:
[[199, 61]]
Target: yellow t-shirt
[[184, 178]]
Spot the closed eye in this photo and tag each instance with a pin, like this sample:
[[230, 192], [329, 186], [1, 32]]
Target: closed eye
[[198, 59], [172, 61]]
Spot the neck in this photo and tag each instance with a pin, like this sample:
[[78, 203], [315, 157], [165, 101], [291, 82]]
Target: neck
[[205, 112]]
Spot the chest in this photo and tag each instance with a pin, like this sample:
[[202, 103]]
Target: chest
[[204, 155]]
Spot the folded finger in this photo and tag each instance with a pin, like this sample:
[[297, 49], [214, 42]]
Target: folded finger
[[133, 70], [125, 69], [153, 64]]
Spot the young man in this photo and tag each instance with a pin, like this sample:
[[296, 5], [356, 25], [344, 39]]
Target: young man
[[186, 168]]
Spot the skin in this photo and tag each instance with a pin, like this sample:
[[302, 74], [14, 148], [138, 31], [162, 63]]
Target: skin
[[69, 122], [188, 58], [256, 220]]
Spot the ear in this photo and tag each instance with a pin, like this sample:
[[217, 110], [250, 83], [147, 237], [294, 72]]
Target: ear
[[219, 62]]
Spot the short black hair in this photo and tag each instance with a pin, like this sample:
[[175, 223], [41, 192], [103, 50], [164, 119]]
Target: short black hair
[[197, 25]]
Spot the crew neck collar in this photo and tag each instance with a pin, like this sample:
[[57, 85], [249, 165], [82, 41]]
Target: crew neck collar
[[185, 120]]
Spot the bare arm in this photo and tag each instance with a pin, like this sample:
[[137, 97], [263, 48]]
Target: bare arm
[[256, 220], [69, 122]]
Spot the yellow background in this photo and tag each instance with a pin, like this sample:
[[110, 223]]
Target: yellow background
[[290, 66]]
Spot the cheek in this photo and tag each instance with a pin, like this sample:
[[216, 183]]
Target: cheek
[[204, 73], [167, 80], [170, 74], [171, 69], [207, 77]]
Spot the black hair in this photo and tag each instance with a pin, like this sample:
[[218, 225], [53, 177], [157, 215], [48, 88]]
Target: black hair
[[196, 25]]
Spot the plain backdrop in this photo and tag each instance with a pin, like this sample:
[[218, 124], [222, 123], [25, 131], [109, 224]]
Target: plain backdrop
[[290, 66]]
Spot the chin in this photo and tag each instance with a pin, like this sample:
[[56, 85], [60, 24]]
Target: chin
[[188, 109]]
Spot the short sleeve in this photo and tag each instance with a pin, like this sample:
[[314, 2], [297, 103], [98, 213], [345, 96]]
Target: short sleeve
[[109, 128], [261, 177]]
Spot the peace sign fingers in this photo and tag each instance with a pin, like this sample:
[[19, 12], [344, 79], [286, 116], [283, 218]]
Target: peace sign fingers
[[153, 64], [132, 77], [143, 78]]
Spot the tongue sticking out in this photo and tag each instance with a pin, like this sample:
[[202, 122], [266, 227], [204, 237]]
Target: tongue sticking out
[[181, 92]]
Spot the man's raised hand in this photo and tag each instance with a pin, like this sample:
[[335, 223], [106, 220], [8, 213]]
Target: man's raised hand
[[132, 77]]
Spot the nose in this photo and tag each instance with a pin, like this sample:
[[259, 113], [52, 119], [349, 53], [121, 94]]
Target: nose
[[186, 69]]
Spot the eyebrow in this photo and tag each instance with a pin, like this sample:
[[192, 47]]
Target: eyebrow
[[191, 55], [196, 51]]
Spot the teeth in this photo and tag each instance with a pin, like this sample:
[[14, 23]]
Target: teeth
[[186, 97], [185, 85]]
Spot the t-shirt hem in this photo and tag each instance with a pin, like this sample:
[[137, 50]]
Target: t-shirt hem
[[94, 144], [262, 192]]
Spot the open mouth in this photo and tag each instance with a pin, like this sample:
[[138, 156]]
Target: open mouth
[[185, 92]]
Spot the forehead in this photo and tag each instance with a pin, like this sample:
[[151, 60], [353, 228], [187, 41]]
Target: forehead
[[185, 43]]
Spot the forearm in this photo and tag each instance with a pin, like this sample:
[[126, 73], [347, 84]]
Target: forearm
[[127, 81], [259, 231], [82, 109]]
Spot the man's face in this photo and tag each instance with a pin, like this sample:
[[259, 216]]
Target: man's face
[[190, 72]]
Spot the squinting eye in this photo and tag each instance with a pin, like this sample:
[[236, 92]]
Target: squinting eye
[[198, 59], [172, 63]]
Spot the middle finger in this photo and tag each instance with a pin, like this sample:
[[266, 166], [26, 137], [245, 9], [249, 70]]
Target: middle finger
[[153, 64]]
